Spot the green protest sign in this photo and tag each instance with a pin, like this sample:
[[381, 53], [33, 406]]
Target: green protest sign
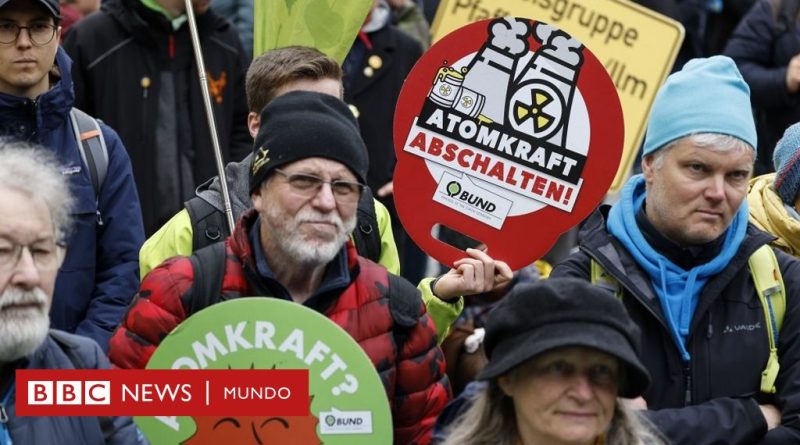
[[330, 26], [348, 402]]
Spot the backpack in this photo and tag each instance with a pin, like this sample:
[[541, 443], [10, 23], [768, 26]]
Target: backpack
[[209, 225], [208, 265], [768, 281], [94, 153]]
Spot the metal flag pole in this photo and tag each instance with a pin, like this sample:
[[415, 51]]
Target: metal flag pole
[[201, 71]]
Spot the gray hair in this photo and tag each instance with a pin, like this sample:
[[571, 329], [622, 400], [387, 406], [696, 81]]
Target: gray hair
[[720, 143], [490, 420], [35, 172]]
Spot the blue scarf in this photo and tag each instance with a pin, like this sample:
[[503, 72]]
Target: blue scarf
[[678, 290]]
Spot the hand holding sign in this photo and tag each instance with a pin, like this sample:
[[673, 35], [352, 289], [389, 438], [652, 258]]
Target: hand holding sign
[[475, 274]]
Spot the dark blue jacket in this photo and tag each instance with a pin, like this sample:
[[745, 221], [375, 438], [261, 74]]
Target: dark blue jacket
[[65, 351], [100, 273]]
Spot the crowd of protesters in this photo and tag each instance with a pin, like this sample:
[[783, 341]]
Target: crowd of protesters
[[674, 319]]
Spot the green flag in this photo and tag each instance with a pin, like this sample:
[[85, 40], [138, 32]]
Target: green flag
[[330, 26]]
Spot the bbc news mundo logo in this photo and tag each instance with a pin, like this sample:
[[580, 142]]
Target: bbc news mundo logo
[[161, 392], [73, 392]]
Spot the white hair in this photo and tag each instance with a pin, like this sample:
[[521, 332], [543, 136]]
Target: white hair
[[713, 141], [35, 172]]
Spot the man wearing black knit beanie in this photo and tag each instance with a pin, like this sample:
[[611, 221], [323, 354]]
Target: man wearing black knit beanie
[[306, 178]]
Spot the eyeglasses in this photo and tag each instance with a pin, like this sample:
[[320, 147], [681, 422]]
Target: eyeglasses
[[46, 255], [40, 33], [307, 186]]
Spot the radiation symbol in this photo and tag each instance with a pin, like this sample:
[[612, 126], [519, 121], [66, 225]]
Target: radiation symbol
[[445, 90], [536, 109]]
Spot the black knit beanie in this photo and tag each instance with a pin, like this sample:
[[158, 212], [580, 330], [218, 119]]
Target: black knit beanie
[[305, 124]]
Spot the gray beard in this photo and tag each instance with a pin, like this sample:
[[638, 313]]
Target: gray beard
[[298, 250], [22, 331]]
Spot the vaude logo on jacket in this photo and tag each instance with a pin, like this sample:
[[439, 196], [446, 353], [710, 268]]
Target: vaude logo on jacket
[[733, 328]]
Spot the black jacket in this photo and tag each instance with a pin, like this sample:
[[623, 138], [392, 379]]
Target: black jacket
[[762, 46], [375, 96], [138, 75], [715, 399]]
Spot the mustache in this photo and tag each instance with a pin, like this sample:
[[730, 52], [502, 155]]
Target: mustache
[[16, 296], [311, 215]]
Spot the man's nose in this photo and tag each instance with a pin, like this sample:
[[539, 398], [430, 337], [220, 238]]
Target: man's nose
[[324, 199], [715, 189], [25, 273], [24, 38]]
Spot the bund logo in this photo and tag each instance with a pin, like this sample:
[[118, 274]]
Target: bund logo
[[216, 86], [261, 158]]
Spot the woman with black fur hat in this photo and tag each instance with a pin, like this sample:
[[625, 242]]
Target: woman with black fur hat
[[561, 352]]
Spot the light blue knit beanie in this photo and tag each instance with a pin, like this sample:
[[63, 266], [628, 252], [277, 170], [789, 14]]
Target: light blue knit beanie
[[706, 96], [787, 166]]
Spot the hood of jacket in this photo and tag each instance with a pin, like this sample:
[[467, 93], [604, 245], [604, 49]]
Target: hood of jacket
[[27, 119], [768, 213], [237, 175]]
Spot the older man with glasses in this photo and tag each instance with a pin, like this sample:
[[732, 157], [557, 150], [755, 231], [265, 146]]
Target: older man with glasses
[[307, 174], [35, 206], [99, 274]]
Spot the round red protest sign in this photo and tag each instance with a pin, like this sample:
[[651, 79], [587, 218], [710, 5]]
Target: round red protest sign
[[509, 131]]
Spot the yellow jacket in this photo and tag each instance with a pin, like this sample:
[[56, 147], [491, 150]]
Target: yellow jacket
[[767, 212], [175, 238]]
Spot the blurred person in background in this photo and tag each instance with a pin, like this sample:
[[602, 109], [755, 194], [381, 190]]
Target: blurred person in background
[[240, 14], [135, 69], [766, 48], [74, 10], [773, 198], [374, 71]]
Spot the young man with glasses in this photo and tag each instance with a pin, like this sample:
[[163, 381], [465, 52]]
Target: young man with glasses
[[99, 274], [308, 171], [35, 206]]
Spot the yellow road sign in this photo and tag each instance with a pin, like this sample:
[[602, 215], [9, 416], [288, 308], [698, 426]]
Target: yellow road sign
[[636, 45]]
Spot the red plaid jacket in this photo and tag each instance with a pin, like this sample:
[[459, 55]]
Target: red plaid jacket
[[414, 378]]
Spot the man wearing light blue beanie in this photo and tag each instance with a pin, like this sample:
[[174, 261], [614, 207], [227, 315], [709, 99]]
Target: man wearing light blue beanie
[[706, 96], [676, 247]]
